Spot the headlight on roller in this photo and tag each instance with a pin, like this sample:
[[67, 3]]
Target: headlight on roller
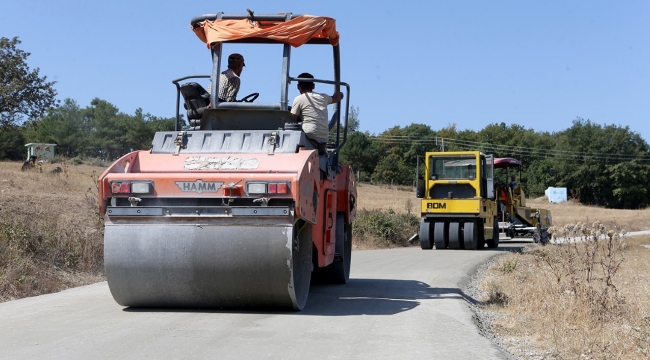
[[256, 188], [128, 187], [141, 188]]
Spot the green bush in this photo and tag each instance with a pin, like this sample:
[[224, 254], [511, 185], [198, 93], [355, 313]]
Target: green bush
[[385, 228], [58, 159], [76, 161], [507, 266]]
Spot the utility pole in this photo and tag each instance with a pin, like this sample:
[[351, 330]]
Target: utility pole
[[417, 168]]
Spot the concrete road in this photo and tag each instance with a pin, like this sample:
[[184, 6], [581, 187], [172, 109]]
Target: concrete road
[[399, 304]]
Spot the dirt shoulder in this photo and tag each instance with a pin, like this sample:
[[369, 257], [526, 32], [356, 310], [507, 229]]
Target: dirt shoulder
[[583, 300], [51, 235]]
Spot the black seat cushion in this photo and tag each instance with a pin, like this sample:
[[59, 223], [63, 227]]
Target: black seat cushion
[[196, 99]]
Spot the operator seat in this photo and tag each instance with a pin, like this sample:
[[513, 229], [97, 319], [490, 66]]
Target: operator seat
[[196, 100]]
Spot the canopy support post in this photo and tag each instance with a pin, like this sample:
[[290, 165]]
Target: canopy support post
[[286, 63], [216, 71]]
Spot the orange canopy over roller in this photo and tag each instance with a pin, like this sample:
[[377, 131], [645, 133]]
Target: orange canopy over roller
[[294, 32]]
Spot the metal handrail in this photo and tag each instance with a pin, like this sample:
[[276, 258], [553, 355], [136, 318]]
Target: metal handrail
[[271, 17]]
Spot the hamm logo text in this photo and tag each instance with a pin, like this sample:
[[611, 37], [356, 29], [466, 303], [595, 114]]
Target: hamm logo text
[[199, 186]]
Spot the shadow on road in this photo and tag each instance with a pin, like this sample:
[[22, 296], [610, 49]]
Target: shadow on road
[[358, 297], [374, 297]]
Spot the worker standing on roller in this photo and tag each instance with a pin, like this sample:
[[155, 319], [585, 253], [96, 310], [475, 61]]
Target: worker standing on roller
[[312, 108]]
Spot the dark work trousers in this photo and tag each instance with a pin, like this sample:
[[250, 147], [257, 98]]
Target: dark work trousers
[[321, 147]]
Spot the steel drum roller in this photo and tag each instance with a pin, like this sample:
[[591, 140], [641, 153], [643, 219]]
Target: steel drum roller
[[208, 266]]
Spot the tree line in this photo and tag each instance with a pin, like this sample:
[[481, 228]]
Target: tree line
[[99, 130], [606, 165], [29, 112]]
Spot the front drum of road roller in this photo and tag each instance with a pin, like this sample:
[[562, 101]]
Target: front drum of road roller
[[190, 265]]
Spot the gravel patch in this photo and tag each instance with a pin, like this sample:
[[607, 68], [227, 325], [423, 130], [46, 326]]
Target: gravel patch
[[483, 318], [513, 348]]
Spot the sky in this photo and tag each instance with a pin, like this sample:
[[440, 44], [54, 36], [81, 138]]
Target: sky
[[538, 64]]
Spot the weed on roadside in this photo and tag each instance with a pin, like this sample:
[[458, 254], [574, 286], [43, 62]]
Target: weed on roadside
[[570, 299], [49, 237]]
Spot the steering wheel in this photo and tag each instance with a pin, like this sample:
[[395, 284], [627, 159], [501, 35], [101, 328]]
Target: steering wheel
[[250, 97]]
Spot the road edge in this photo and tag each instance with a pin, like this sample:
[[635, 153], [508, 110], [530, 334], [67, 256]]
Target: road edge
[[483, 319]]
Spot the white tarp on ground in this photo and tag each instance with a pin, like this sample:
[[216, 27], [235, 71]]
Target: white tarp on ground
[[555, 195]]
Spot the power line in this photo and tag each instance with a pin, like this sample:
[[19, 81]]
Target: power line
[[515, 150], [546, 152]]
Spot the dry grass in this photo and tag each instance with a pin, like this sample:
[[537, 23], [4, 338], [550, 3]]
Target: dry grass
[[399, 199], [571, 212], [580, 300], [50, 232]]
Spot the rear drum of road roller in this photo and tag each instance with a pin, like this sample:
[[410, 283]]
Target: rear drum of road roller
[[208, 266]]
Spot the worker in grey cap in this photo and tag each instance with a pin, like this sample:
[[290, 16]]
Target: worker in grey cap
[[229, 81]]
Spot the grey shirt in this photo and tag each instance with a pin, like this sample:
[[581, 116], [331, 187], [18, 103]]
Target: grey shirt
[[312, 107]]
